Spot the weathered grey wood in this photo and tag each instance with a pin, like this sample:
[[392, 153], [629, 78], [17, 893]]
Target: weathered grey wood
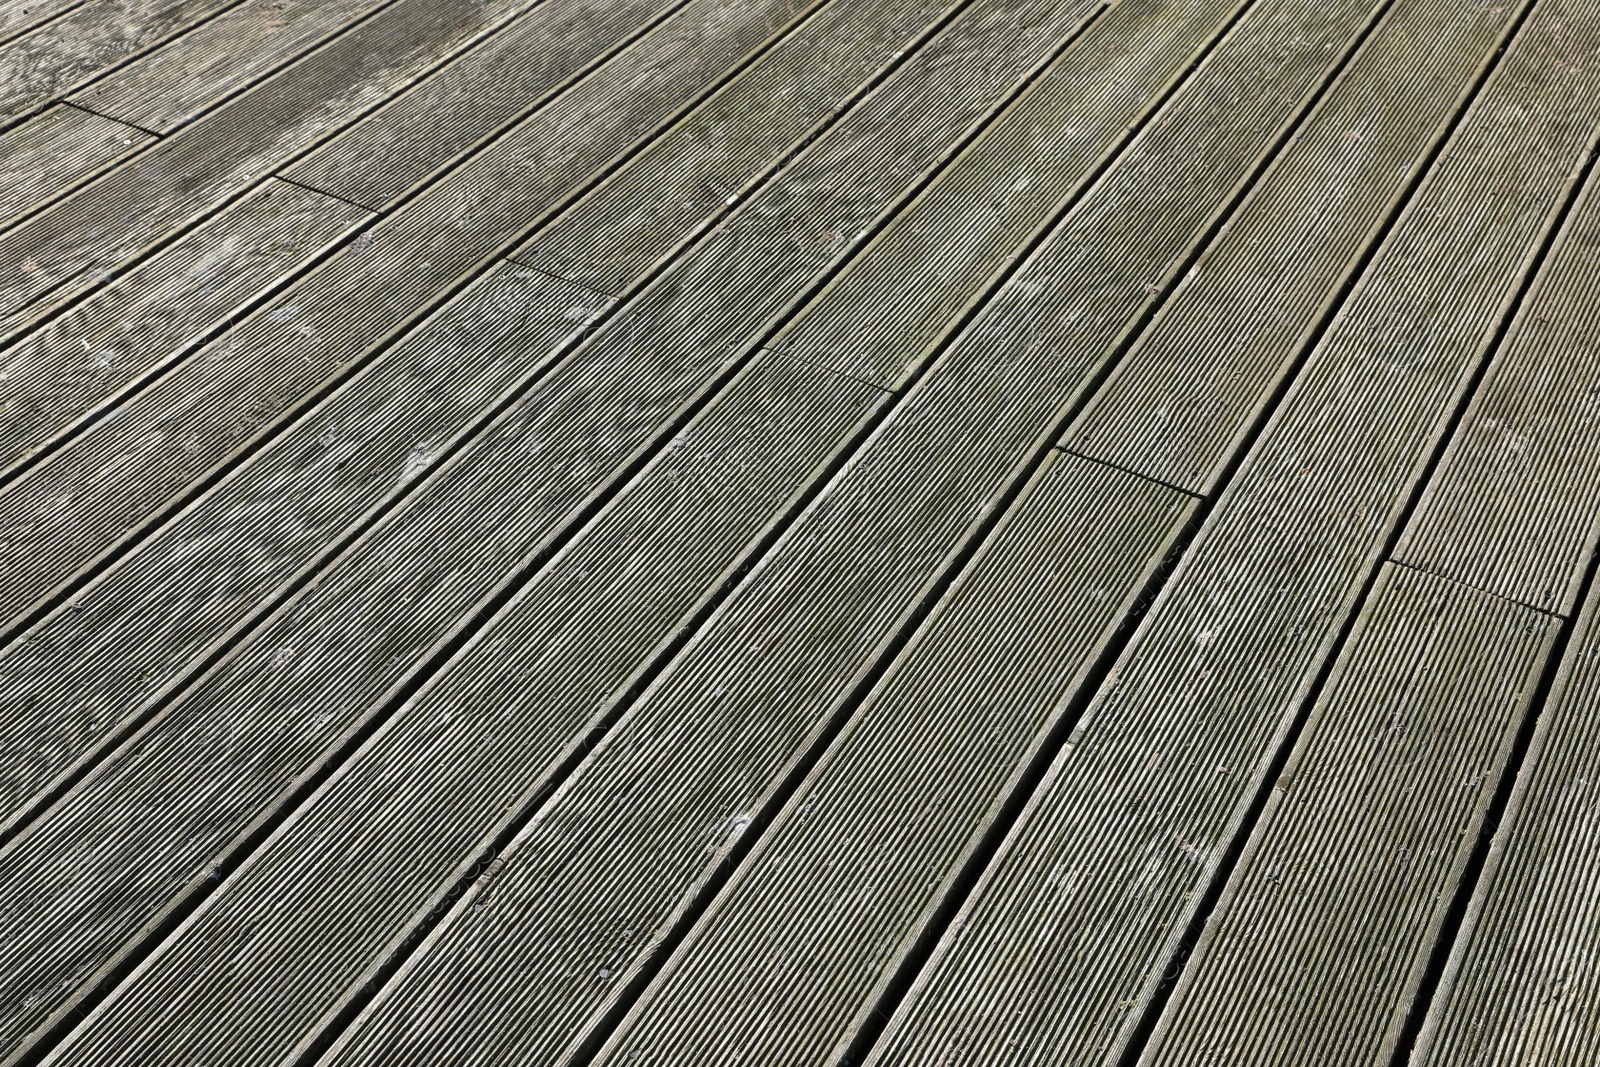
[[617, 593], [177, 183], [81, 363], [113, 646], [1515, 505], [219, 59], [412, 393], [557, 439], [1316, 948], [39, 67], [971, 221], [1159, 773], [1520, 984], [55, 150], [222, 400], [17, 19], [1186, 397], [704, 754], [846, 877]]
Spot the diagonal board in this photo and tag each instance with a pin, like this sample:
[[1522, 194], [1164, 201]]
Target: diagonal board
[[426, 397], [39, 67], [1515, 490], [1195, 388], [642, 830], [1107, 92], [1519, 986], [178, 182], [223, 400], [1316, 948], [558, 431], [1515, 506], [75, 367], [606, 602], [720, 997], [784, 966], [55, 150], [1159, 774], [168, 87], [820, 72]]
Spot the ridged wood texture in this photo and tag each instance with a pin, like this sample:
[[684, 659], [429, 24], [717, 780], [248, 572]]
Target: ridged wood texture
[[598, 879], [181, 180], [1515, 505], [459, 764], [785, 965], [1520, 986], [1316, 948], [55, 150], [1180, 405], [658, 360], [1164, 764], [1146, 44], [44, 64], [408, 410], [223, 399], [131, 329], [163, 90]]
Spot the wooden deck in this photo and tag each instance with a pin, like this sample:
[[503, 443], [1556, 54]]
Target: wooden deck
[[894, 532]]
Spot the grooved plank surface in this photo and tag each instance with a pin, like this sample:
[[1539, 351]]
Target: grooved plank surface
[[599, 532], [160, 807], [1520, 985], [849, 872], [1144, 41], [1363, 836], [339, 464], [460, 754], [978, 215], [1182, 401], [39, 67], [1153, 785], [558, 439], [180, 181], [641, 830], [57, 376], [1515, 505], [166, 88], [85, 496], [53, 151]]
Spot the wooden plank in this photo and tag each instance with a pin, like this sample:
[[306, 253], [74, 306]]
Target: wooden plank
[[18, 19], [613, 598], [960, 224], [1519, 985], [456, 109], [76, 367], [516, 315], [420, 402], [577, 446], [1167, 760], [910, 785], [41, 66], [1195, 386], [632, 840], [1515, 505], [225, 397], [215, 61], [55, 150], [138, 207], [1316, 949]]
